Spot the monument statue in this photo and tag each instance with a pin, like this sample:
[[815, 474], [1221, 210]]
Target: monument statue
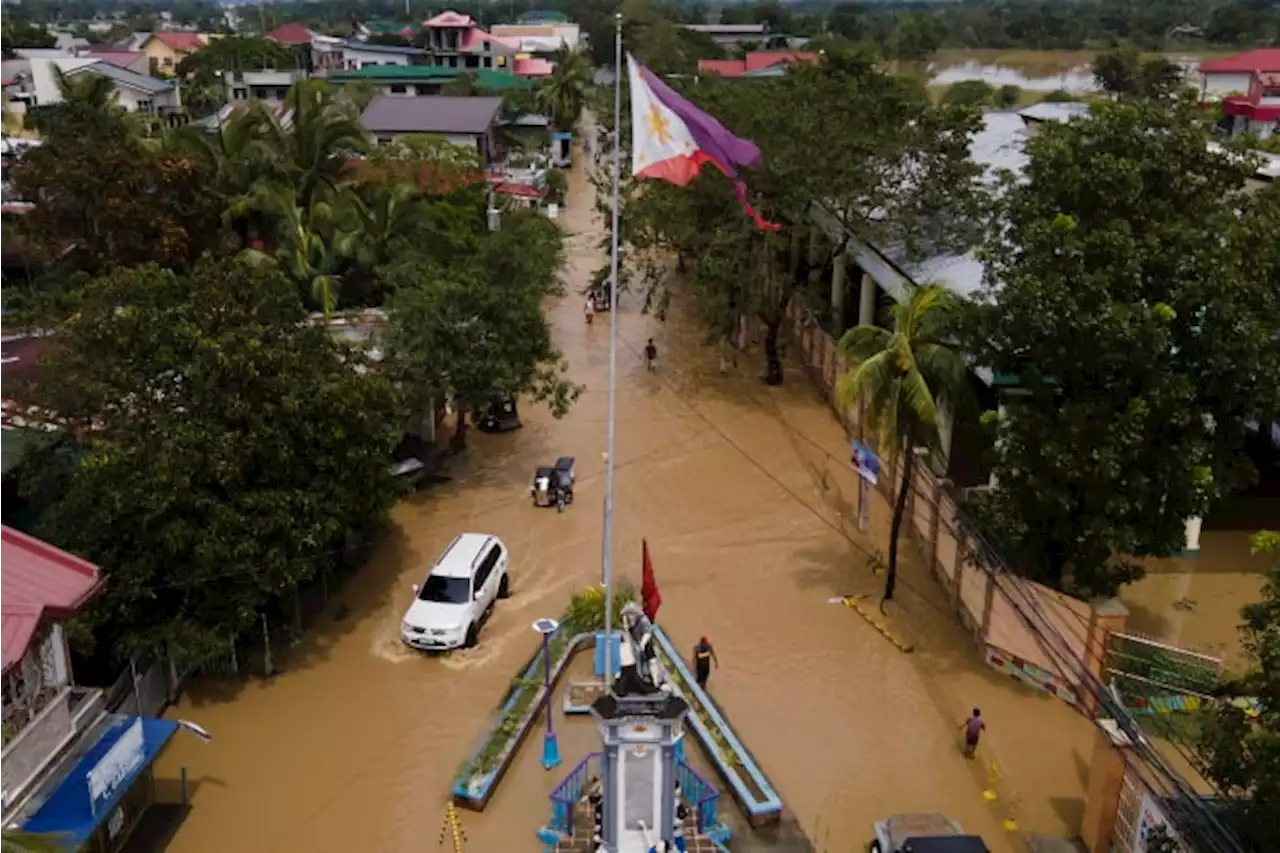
[[641, 673]]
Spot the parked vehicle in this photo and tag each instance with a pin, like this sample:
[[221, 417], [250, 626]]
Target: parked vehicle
[[458, 594], [924, 833], [496, 412], [553, 486]]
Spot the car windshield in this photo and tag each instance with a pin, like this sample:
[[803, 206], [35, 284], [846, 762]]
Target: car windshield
[[445, 590]]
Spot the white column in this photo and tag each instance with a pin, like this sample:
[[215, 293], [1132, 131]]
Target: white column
[[1193, 536], [867, 301], [837, 291]]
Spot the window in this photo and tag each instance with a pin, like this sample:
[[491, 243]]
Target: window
[[239, 93], [445, 590], [398, 90], [168, 62], [487, 565]]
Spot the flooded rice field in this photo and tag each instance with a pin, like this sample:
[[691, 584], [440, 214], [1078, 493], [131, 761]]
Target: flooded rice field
[[1034, 70], [737, 489]]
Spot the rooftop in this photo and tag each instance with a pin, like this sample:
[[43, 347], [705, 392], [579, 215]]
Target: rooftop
[[374, 47], [431, 114], [728, 29], [186, 42], [461, 554], [450, 19], [1262, 59], [40, 582], [124, 77], [754, 62], [118, 58], [293, 32], [485, 78]]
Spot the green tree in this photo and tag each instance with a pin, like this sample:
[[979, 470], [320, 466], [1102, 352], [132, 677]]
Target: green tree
[[109, 196], [308, 243], [315, 143], [456, 333], [18, 34], [1133, 298], [1007, 97], [906, 378], [228, 446], [1123, 71], [205, 71], [901, 175], [969, 93], [1242, 750], [563, 93]]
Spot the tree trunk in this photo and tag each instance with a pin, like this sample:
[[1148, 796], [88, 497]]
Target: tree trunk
[[459, 440], [899, 510], [773, 327]]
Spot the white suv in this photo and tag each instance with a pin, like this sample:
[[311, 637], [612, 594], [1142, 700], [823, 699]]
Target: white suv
[[458, 594]]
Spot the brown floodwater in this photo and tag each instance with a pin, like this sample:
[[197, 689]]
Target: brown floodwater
[[746, 499], [1035, 70]]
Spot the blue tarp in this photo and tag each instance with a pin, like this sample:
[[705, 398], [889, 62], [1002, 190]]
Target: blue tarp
[[68, 811]]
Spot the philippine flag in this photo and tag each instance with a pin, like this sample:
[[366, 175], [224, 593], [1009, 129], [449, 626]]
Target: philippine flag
[[671, 139]]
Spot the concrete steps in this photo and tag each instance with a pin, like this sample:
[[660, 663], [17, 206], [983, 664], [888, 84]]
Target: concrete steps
[[584, 826]]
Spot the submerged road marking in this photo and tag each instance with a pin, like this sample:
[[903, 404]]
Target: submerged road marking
[[852, 602]]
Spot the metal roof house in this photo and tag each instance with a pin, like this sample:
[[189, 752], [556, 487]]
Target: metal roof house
[[466, 122]]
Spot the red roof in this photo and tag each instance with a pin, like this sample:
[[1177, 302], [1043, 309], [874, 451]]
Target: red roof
[[119, 58], [40, 582], [534, 67], [450, 19], [185, 42], [1262, 59], [757, 60], [294, 32]]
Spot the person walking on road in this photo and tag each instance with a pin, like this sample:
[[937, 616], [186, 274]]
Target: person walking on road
[[651, 356], [704, 655], [589, 309], [973, 729]]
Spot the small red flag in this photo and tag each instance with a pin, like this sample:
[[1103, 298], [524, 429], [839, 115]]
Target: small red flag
[[649, 595]]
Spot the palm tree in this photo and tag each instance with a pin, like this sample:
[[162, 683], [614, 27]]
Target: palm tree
[[307, 246], [905, 378], [563, 94], [315, 139], [89, 89], [17, 841]]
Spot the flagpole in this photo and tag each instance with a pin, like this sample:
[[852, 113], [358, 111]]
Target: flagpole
[[607, 562]]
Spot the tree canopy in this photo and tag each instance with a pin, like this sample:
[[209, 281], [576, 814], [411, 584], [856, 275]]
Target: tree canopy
[[228, 445], [1134, 298]]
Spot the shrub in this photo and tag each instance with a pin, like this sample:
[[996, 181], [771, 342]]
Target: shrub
[[969, 93], [1006, 97], [1059, 96]]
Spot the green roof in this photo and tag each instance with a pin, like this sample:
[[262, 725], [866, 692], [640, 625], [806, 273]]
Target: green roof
[[485, 78], [536, 17]]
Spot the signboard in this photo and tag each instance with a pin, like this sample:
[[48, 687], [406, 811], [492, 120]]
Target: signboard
[[124, 759], [1149, 817], [865, 462]]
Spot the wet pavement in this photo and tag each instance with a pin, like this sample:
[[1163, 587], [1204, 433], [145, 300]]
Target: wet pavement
[[738, 489]]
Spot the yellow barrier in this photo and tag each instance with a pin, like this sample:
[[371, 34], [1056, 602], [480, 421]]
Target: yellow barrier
[[452, 828], [856, 606]]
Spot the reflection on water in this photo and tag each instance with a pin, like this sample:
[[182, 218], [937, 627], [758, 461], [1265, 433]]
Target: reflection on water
[[1039, 71], [1078, 79], [745, 496]]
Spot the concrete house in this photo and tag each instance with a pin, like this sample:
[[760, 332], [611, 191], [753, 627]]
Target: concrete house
[[37, 85], [455, 41], [335, 54], [466, 122], [165, 51]]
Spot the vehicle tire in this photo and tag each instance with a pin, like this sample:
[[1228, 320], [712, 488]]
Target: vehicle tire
[[473, 637], [874, 846], [504, 587]]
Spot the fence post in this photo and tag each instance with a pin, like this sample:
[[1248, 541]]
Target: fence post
[[133, 676], [235, 660], [1106, 615], [957, 576]]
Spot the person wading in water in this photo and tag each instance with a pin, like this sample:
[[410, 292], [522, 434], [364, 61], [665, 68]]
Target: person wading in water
[[703, 656], [589, 309], [973, 729]]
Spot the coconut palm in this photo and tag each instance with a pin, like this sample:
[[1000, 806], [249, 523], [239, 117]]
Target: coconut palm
[[306, 243], [17, 841], [905, 377], [89, 89], [563, 93], [315, 138]]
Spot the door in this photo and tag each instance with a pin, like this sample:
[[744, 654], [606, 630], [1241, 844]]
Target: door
[[486, 582]]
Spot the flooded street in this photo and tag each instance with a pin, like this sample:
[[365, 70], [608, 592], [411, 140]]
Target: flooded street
[[743, 494]]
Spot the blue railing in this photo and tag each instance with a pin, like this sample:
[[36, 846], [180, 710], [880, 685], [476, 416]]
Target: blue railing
[[697, 791], [564, 799]]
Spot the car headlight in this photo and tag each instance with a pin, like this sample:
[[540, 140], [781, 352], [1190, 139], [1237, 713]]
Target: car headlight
[[405, 628]]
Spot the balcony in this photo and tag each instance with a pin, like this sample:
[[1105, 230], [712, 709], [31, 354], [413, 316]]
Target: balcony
[[62, 715]]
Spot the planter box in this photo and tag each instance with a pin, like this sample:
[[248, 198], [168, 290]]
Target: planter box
[[762, 805], [472, 789]]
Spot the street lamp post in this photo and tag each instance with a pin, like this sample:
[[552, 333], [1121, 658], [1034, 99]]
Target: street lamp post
[[550, 748]]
